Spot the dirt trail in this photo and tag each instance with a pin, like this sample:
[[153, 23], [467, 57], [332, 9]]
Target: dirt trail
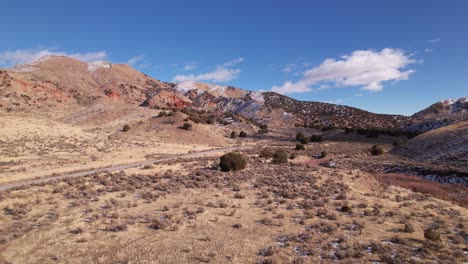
[[12, 185]]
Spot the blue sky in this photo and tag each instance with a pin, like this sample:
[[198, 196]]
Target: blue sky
[[381, 56]]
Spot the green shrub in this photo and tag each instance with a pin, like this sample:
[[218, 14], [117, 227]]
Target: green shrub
[[242, 134], [323, 154], [126, 128], [232, 161], [301, 138], [316, 138], [266, 153], [263, 129], [376, 150], [280, 156], [293, 156], [162, 113], [186, 126], [300, 147], [233, 134]]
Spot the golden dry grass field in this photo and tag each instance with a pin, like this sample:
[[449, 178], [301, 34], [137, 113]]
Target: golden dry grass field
[[188, 211]]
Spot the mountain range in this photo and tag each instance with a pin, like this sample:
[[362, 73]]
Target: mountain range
[[66, 84]]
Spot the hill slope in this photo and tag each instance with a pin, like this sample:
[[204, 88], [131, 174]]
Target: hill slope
[[442, 146], [64, 82]]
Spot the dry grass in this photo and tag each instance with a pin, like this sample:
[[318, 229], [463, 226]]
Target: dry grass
[[188, 211], [450, 192]]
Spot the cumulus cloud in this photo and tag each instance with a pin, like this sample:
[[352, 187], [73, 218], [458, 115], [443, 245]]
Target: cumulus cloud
[[223, 73], [189, 67], [134, 60], [219, 75], [290, 87], [11, 58], [289, 67], [434, 40], [367, 69]]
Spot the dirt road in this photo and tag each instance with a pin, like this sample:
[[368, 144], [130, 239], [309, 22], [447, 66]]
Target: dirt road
[[8, 186]]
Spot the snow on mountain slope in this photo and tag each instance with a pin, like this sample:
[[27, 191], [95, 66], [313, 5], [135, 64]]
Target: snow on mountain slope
[[217, 90], [29, 67], [93, 66]]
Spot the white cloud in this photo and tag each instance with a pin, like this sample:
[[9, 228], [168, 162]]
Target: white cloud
[[428, 50], [364, 68], [434, 40], [135, 59], [11, 58], [219, 75], [233, 62], [223, 73], [338, 101], [189, 67], [289, 67], [359, 94], [290, 87]]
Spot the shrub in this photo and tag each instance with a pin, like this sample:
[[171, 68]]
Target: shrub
[[263, 129], [186, 126], [162, 113], [376, 150], [408, 228], [232, 161], [432, 234], [242, 134], [280, 156], [397, 142], [316, 138], [239, 196], [301, 138], [323, 154], [233, 134], [266, 153], [300, 147], [349, 130], [126, 128], [293, 156], [346, 209]]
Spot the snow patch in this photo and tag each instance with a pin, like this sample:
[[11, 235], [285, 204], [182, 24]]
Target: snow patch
[[92, 66], [29, 67], [214, 89], [448, 102], [257, 96], [184, 87], [23, 68]]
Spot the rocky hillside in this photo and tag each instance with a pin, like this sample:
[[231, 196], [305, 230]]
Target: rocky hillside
[[273, 108], [64, 82], [58, 82], [440, 114], [447, 109], [442, 146], [333, 115]]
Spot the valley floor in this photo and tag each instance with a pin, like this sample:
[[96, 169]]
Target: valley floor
[[186, 210]]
